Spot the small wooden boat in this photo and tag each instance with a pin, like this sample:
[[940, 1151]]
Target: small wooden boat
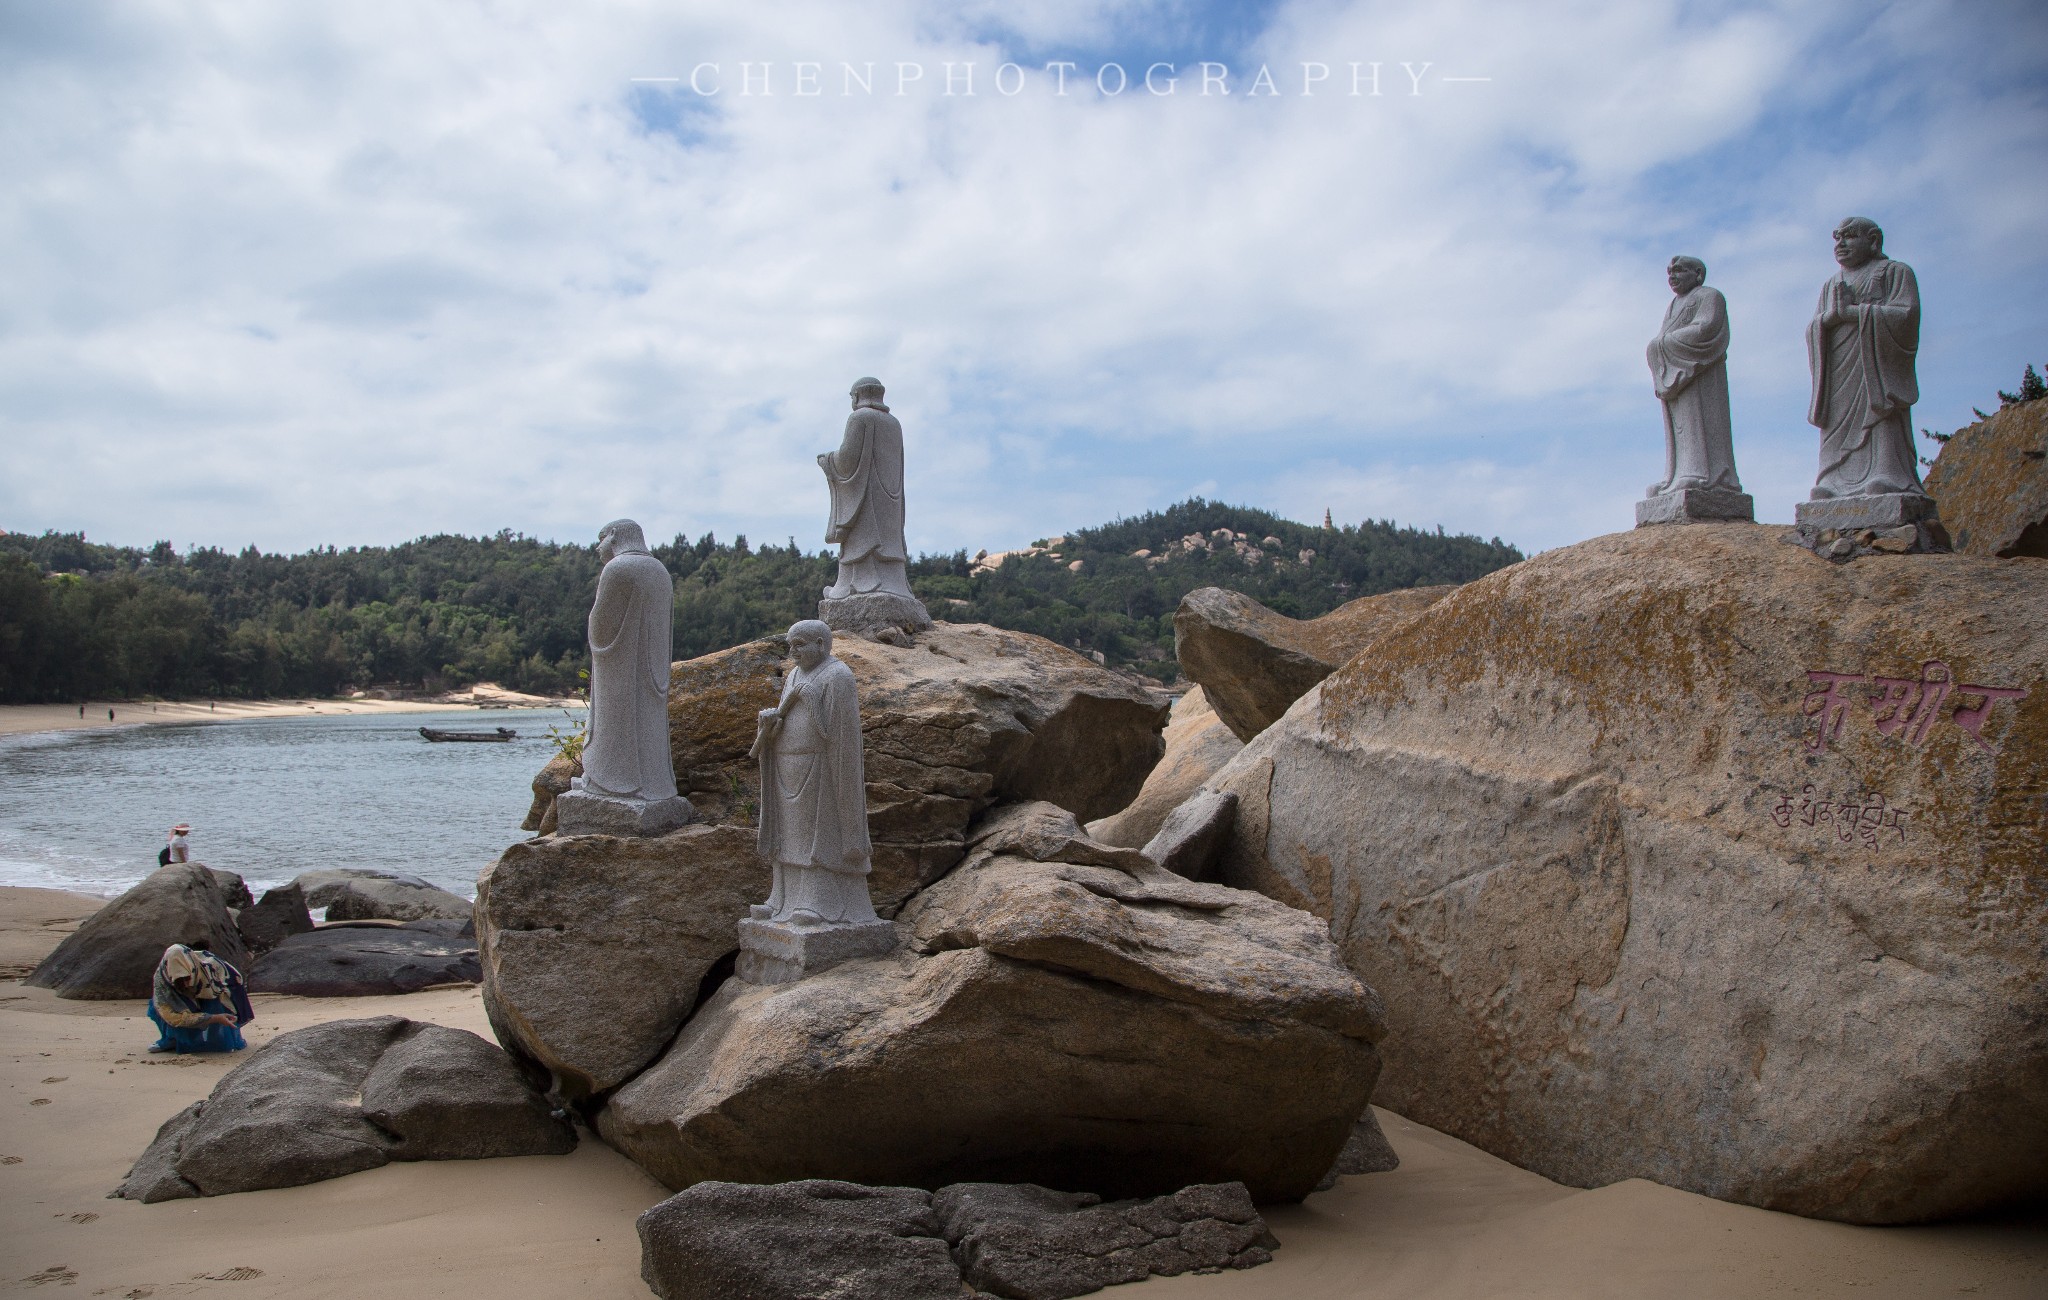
[[501, 734]]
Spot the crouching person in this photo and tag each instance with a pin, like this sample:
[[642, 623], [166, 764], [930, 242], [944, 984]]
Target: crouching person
[[198, 1002]]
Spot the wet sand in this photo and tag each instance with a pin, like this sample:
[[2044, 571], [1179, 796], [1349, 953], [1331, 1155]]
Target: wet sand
[[81, 1099]]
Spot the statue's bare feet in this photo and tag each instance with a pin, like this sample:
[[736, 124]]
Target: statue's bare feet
[[805, 917], [759, 912], [1688, 483]]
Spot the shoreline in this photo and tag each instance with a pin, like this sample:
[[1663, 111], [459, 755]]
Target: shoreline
[[28, 719]]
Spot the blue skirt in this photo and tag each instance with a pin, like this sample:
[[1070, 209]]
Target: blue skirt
[[204, 1038]]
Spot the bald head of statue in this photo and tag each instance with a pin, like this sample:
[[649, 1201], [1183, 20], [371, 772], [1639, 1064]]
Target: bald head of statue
[[620, 537]]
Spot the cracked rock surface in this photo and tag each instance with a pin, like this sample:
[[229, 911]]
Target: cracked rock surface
[[1676, 857], [801, 1240], [345, 1096]]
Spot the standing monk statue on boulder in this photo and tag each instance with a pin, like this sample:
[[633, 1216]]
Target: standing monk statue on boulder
[[1689, 372], [1862, 344], [872, 594], [814, 823], [628, 786]]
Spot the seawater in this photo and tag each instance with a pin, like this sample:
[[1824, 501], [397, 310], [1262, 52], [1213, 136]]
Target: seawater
[[269, 798]]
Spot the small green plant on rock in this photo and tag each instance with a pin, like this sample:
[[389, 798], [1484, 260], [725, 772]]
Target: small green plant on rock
[[569, 743]]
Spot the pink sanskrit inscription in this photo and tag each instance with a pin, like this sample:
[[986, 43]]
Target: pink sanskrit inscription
[[1905, 707], [1865, 818]]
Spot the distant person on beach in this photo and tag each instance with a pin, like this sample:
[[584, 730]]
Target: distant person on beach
[[110, 715], [198, 1002], [81, 710], [180, 847]]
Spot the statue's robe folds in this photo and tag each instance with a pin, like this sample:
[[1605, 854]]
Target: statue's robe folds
[[626, 750], [1863, 382], [814, 809], [866, 475], [1689, 369]]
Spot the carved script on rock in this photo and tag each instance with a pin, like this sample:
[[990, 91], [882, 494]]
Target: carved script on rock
[[1865, 817], [1905, 708]]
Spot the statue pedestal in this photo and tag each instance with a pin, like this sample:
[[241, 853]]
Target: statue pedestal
[[1888, 510], [1695, 506], [875, 611], [579, 812], [776, 952], [1892, 523]]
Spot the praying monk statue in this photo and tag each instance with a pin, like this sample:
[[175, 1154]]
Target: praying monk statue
[[814, 823], [1861, 345], [628, 786], [872, 592], [1689, 371]]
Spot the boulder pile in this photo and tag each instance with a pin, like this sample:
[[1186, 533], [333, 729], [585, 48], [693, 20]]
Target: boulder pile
[[1062, 1013], [1684, 855]]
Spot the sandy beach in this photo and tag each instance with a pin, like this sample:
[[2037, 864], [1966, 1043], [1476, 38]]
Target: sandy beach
[[82, 1099], [16, 719]]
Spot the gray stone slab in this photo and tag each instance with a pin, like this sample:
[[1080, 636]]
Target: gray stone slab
[[1695, 505], [773, 952], [1889, 510], [580, 812]]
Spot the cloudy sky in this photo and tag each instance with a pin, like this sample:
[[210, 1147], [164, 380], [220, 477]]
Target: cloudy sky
[[354, 272]]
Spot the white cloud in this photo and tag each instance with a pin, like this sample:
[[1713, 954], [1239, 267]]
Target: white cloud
[[355, 273]]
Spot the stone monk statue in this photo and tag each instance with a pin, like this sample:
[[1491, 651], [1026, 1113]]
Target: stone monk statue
[[814, 808], [866, 478], [1861, 346], [1689, 371], [628, 786]]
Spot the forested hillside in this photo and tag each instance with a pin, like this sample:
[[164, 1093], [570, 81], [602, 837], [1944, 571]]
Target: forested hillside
[[80, 620]]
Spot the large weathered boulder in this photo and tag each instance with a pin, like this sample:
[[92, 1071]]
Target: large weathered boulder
[[817, 1237], [1253, 662], [322, 887], [364, 960], [234, 891], [1682, 854], [1055, 1022], [372, 898], [594, 947], [796, 1241], [1991, 483], [1197, 747], [345, 1096], [114, 952], [1033, 1243], [278, 915]]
